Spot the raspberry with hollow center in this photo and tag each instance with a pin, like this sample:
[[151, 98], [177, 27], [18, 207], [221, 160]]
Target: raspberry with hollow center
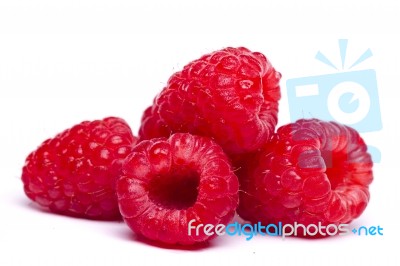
[[75, 172], [166, 183], [230, 95], [311, 171]]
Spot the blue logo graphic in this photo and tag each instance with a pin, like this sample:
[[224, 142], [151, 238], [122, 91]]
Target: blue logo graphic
[[348, 97]]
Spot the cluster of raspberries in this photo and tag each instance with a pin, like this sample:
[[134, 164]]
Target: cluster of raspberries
[[207, 148]]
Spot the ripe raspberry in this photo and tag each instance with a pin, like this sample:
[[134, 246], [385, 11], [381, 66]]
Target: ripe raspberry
[[166, 183], [75, 172], [310, 172], [230, 95]]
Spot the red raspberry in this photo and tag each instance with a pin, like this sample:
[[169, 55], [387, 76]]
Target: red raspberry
[[310, 172], [75, 172], [229, 95], [166, 183]]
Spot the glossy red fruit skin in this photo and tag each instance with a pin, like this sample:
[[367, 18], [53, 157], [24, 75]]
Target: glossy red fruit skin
[[310, 172], [230, 95], [166, 183], [75, 172]]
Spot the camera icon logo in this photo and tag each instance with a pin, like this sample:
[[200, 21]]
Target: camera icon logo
[[348, 97]]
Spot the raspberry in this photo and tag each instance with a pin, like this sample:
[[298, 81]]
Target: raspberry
[[166, 183], [230, 95], [75, 172], [310, 172]]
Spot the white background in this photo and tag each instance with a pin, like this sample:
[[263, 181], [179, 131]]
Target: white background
[[62, 62]]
